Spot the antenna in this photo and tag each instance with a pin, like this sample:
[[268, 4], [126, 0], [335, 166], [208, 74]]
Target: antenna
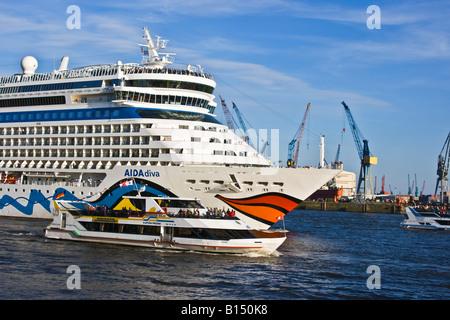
[[151, 56]]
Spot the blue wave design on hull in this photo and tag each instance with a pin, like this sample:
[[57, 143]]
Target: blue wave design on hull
[[109, 199], [112, 196], [36, 197]]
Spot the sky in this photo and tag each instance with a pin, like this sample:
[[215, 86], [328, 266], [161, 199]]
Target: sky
[[272, 58]]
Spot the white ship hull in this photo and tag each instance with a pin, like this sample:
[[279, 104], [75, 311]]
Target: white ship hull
[[264, 246]]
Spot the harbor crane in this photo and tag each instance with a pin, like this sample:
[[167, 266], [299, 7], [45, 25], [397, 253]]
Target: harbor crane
[[423, 188], [228, 116], [337, 164], [442, 169], [383, 183], [338, 152], [362, 146], [409, 186], [242, 123], [414, 184], [417, 186], [294, 145]]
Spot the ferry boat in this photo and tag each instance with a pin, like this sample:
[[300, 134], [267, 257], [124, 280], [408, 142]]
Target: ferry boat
[[159, 222], [421, 218], [88, 129]]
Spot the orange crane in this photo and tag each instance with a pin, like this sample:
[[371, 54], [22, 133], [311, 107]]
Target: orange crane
[[423, 188], [227, 114], [382, 185]]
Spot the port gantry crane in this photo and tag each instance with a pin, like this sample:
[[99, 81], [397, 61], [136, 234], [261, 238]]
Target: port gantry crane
[[228, 116], [294, 145], [246, 136], [442, 169], [362, 146], [423, 188], [414, 183], [232, 124]]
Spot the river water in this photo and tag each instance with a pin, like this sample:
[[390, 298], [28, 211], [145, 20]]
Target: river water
[[328, 255]]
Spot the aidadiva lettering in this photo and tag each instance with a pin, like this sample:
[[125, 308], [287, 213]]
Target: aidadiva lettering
[[140, 173]]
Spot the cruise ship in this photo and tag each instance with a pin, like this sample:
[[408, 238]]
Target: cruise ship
[[90, 130]]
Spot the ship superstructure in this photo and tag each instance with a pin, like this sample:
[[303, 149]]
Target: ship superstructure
[[88, 129]]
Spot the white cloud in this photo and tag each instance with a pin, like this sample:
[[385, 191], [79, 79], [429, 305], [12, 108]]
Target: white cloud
[[264, 78], [392, 14]]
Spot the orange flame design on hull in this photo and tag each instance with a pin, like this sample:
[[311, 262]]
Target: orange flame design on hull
[[267, 208]]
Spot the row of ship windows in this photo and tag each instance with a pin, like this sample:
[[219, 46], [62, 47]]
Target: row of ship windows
[[86, 141], [119, 95], [57, 86], [164, 99], [84, 184], [198, 233], [59, 115], [170, 84], [116, 128], [106, 114], [249, 183], [36, 101], [98, 141], [106, 153], [81, 129], [78, 165]]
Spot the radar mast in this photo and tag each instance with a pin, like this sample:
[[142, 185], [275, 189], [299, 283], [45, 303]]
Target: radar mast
[[151, 56]]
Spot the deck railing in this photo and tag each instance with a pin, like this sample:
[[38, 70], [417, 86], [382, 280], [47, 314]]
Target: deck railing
[[99, 71]]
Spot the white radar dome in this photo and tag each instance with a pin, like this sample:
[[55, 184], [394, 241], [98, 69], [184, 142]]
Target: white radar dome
[[29, 65]]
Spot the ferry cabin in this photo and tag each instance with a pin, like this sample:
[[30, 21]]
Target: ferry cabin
[[228, 235]]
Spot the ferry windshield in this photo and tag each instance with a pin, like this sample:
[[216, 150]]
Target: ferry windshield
[[185, 204], [138, 204]]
